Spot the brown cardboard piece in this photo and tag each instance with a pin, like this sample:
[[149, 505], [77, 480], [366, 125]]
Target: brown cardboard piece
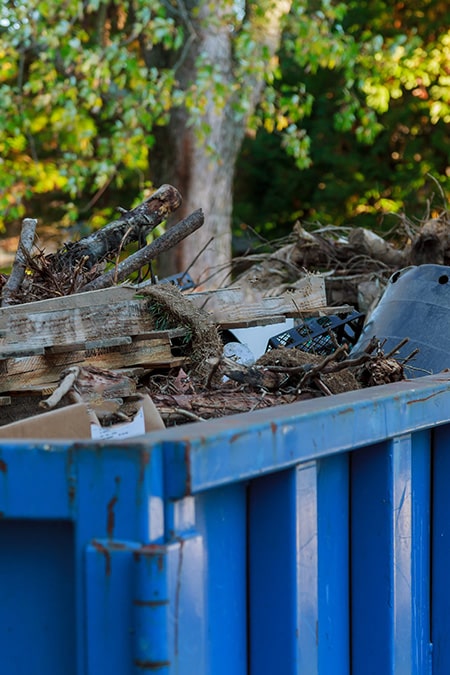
[[77, 422]]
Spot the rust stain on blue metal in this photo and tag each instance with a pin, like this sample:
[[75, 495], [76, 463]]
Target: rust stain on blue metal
[[346, 411], [104, 551], [71, 481], [177, 596], [425, 398], [187, 463], [110, 521], [3, 466], [152, 549], [151, 665], [236, 437], [144, 460], [71, 491], [111, 517], [150, 603]]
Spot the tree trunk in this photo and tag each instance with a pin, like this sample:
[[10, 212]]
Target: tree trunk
[[201, 165]]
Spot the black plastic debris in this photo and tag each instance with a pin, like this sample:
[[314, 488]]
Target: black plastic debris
[[415, 305], [183, 280], [321, 335]]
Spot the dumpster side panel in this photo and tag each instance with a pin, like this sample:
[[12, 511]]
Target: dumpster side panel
[[441, 552], [299, 569], [221, 517], [37, 597], [390, 555], [308, 539], [333, 488]]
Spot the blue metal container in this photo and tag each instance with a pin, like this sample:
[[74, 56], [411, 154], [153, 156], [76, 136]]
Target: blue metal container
[[309, 539]]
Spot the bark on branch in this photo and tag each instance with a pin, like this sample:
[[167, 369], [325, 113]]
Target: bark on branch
[[142, 257], [130, 227], [20, 262]]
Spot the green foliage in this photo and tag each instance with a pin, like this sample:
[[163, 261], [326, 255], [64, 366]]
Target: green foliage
[[78, 105], [353, 115], [373, 102]]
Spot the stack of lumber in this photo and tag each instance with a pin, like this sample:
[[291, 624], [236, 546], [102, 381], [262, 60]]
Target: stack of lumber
[[115, 328], [71, 314]]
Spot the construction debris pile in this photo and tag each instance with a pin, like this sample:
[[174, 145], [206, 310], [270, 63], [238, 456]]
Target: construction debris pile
[[356, 263], [74, 331]]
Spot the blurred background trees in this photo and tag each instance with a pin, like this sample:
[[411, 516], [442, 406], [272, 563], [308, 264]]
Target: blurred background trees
[[376, 124], [259, 113]]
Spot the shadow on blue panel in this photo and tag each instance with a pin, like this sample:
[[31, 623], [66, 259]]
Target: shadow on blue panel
[[37, 597]]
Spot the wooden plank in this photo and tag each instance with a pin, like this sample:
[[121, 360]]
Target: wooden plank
[[78, 324], [109, 342], [319, 311], [116, 314], [251, 323], [69, 302], [37, 370], [16, 351], [235, 306]]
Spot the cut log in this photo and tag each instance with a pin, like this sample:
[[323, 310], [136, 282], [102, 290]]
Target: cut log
[[432, 243], [134, 262], [132, 226], [370, 244]]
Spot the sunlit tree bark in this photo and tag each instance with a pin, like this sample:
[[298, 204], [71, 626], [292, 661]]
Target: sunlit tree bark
[[199, 159]]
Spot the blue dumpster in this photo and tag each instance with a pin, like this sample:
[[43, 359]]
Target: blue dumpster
[[309, 539]]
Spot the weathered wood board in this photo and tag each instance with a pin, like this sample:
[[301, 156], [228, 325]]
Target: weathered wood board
[[234, 307], [78, 324], [20, 373], [125, 311]]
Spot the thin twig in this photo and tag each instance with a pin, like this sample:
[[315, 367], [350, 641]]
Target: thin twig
[[322, 386], [401, 344], [320, 366], [202, 250], [347, 363], [119, 251], [168, 412], [411, 356]]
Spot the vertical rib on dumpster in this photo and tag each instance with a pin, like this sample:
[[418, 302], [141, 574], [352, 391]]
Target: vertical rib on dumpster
[[390, 557], [109, 619], [150, 610], [441, 552], [334, 598], [298, 570], [273, 554], [221, 518], [169, 608]]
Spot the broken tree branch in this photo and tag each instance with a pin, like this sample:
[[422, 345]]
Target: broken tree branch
[[369, 243], [17, 275], [130, 227], [66, 384], [142, 257]]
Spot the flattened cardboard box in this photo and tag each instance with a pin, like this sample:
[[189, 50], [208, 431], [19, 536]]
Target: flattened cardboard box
[[77, 422]]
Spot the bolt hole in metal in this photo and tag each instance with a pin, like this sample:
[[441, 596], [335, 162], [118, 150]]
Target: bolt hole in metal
[[415, 306]]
